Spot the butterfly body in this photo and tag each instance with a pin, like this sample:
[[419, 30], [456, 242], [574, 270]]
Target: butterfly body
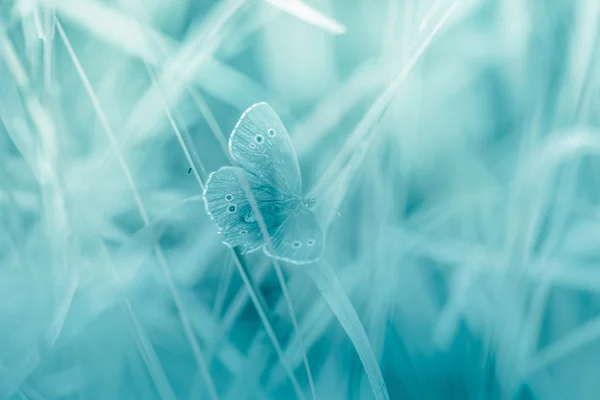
[[267, 180]]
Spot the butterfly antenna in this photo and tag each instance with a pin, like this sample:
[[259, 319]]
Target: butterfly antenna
[[336, 211], [333, 208]]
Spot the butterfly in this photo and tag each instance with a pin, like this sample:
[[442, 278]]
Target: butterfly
[[267, 174]]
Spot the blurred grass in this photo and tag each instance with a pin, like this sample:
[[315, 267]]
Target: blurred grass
[[456, 138]]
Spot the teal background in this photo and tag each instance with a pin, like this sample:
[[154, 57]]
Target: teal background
[[457, 140]]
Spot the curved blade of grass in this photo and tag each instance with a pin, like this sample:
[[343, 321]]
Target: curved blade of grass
[[315, 323], [336, 297]]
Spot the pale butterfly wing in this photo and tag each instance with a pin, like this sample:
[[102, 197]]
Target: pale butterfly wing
[[299, 240], [269, 171], [260, 144], [226, 202]]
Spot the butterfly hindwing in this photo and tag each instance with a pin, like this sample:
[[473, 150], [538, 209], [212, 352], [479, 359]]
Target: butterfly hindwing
[[299, 240], [260, 144], [227, 203]]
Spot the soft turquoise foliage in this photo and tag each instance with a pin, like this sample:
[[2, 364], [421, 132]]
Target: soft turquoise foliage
[[451, 148]]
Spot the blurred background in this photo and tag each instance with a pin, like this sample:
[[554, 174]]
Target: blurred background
[[457, 139]]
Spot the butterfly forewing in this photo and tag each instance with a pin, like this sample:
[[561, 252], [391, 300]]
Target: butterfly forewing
[[299, 240], [227, 202], [260, 144]]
